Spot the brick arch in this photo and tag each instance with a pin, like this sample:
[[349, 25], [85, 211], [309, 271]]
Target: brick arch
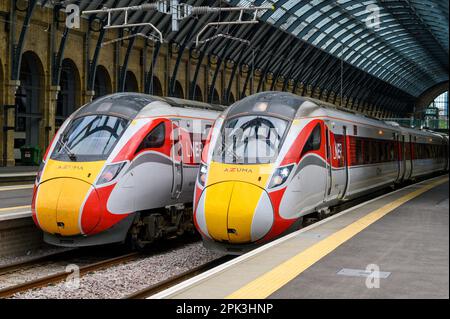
[[157, 87], [198, 94], [131, 82], [178, 90], [103, 82], [231, 99], [72, 53], [30, 101], [425, 99], [215, 99], [69, 95]]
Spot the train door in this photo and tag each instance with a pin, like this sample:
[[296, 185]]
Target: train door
[[445, 154], [338, 172], [329, 181], [345, 153], [410, 157], [401, 157], [191, 140], [177, 160], [399, 153]]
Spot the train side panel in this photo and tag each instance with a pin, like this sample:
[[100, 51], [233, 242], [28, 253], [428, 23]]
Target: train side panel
[[370, 157]]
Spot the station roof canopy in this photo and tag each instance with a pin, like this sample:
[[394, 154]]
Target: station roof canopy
[[402, 44]]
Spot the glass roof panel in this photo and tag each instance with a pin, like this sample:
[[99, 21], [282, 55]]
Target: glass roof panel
[[387, 26]]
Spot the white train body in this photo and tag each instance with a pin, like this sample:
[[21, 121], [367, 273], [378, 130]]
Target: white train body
[[122, 165], [322, 156]]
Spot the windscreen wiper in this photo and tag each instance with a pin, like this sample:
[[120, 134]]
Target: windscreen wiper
[[69, 152]]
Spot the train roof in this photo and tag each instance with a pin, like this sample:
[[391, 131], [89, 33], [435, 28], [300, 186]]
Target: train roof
[[291, 106], [193, 104], [283, 104], [278, 103], [163, 109], [129, 105], [368, 120]]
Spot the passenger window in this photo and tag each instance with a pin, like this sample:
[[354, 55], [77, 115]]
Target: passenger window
[[381, 151], [387, 157], [366, 152], [375, 152], [314, 141], [393, 151], [154, 139], [359, 151]]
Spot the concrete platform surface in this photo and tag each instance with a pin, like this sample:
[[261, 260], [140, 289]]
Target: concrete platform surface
[[19, 169], [17, 175], [14, 196], [15, 201], [16, 213], [394, 246], [411, 244]]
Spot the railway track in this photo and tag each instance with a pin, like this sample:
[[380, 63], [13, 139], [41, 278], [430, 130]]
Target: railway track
[[21, 265], [170, 282], [59, 276]]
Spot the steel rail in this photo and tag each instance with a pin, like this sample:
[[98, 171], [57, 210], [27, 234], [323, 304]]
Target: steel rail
[[20, 265], [57, 277]]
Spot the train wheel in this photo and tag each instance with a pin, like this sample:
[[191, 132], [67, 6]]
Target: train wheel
[[324, 213], [133, 243]]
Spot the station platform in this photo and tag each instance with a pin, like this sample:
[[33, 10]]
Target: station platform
[[15, 213], [17, 175], [18, 171], [394, 246], [15, 201]]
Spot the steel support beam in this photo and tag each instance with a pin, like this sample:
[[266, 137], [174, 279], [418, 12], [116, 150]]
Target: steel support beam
[[16, 49]]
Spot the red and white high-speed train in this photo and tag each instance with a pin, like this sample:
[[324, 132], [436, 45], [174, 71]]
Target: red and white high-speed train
[[275, 157], [123, 164]]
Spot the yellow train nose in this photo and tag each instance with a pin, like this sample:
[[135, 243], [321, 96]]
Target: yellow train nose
[[59, 205], [235, 212]]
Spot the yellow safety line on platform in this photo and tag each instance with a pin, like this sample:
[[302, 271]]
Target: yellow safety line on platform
[[273, 280], [14, 188], [14, 208]]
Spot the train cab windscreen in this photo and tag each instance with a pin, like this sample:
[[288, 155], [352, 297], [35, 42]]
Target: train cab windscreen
[[250, 140], [89, 138]]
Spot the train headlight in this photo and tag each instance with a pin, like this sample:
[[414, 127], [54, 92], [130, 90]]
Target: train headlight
[[202, 174], [110, 172], [280, 176]]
